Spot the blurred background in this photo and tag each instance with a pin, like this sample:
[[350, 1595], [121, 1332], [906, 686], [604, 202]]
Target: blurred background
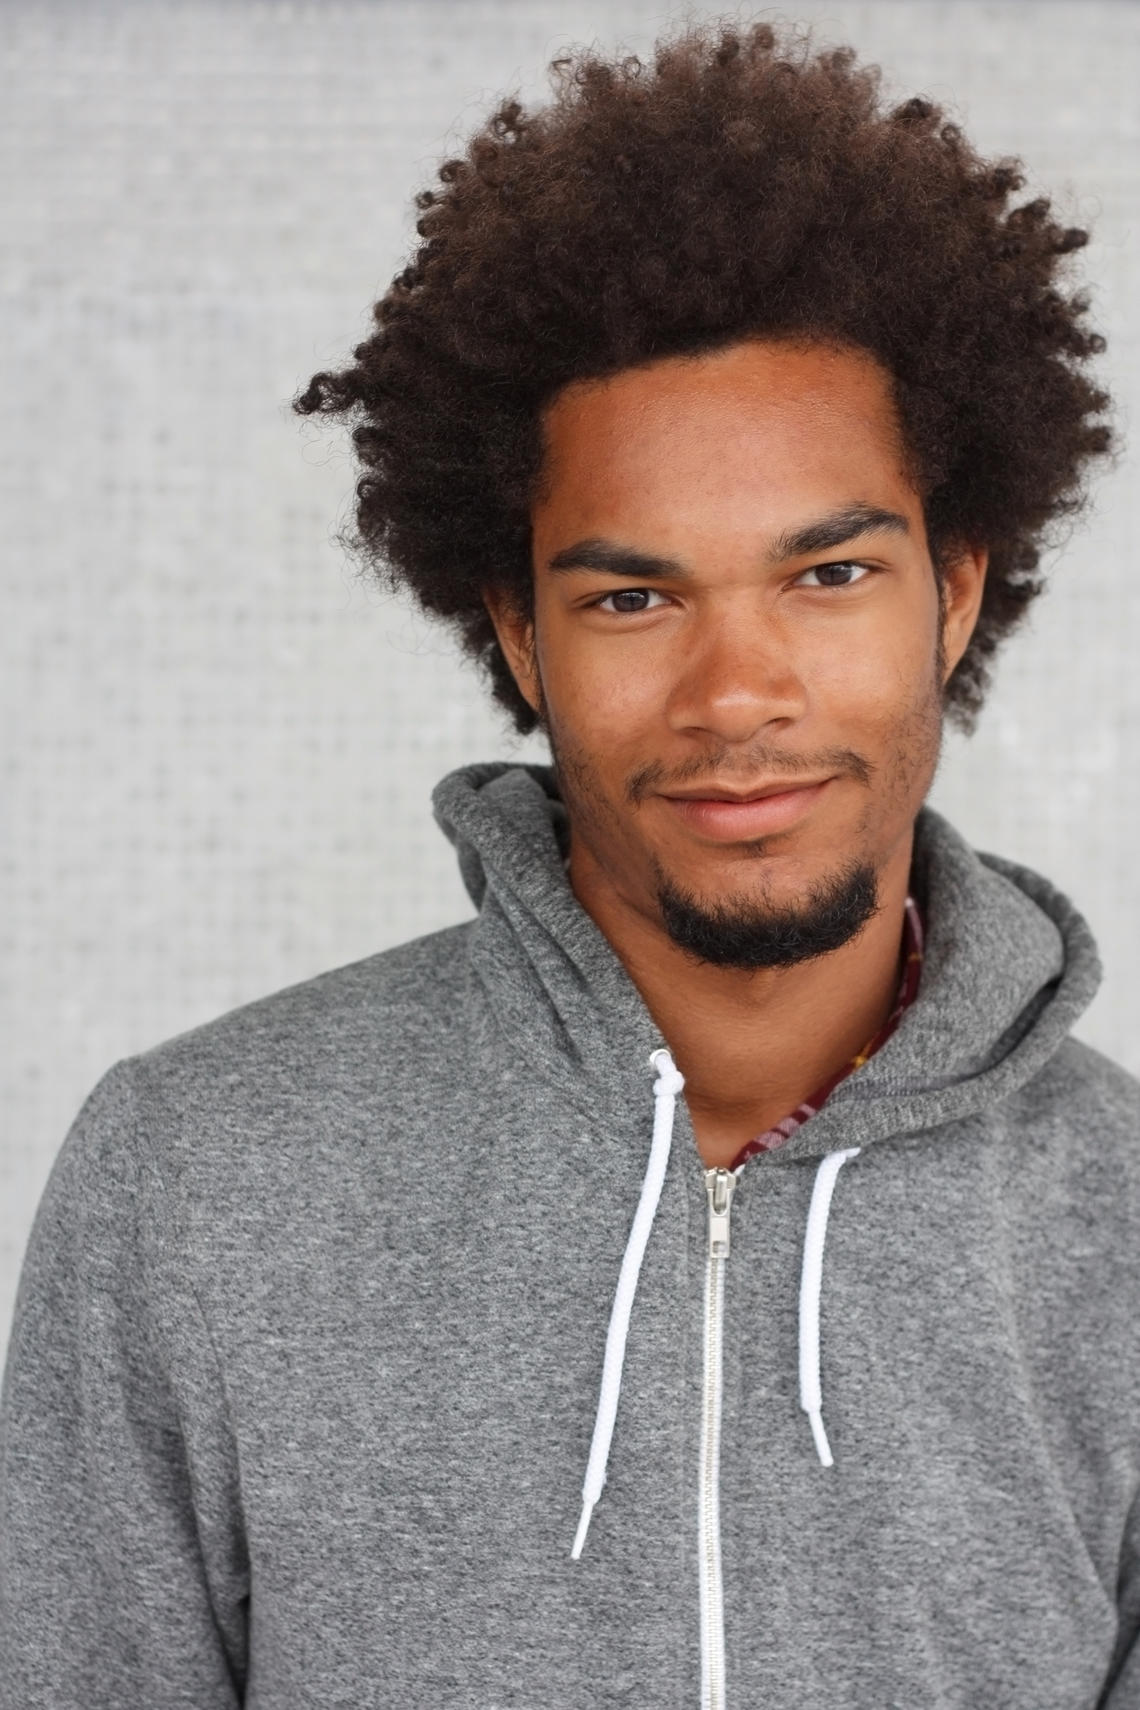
[[219, 741]]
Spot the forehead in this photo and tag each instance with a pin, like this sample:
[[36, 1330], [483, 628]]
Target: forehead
[[788, 425]]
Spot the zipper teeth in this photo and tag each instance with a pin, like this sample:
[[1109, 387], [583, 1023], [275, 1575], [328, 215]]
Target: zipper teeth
[[711, 1586]]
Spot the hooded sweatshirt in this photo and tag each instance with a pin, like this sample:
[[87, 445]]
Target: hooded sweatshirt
[[307, 1365]]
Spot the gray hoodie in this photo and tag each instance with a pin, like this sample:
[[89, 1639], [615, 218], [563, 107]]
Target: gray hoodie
[[307, 1360]]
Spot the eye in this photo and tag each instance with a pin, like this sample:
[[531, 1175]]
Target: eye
[[625, 600], [842, 575]]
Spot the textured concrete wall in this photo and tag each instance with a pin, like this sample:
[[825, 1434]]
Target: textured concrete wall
[[219, 744]]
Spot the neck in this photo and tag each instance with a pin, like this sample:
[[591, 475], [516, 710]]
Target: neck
[[754, 1045]]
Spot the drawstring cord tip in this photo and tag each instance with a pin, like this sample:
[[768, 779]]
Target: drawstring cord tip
[[823, 1447], [583, 1528]]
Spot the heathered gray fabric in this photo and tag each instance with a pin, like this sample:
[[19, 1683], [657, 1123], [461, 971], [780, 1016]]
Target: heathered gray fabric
[[306, 1356]]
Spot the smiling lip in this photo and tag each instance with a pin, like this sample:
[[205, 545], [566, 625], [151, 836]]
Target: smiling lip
[[724, 816]]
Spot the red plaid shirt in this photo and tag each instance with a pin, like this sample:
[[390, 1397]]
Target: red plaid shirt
[[908, 986]]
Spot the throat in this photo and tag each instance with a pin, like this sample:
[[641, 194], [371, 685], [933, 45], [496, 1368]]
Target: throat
[[722, 1136]]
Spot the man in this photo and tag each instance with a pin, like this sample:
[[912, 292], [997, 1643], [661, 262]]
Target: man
[[713, 1274]]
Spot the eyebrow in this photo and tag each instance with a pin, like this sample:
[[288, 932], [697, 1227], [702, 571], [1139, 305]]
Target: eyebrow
[[598, 554], [835, 529]]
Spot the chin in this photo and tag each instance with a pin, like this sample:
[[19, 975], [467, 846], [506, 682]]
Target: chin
[[749, 931]]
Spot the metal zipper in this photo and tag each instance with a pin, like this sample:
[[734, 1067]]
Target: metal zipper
[[720, 1185]]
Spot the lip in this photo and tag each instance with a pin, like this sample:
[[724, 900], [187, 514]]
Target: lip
[[726, 816]]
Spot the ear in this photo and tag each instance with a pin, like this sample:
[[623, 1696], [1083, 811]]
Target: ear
[[963, 584], [515, 633]]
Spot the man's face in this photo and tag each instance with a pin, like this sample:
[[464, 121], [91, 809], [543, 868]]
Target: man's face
[[737, 647]]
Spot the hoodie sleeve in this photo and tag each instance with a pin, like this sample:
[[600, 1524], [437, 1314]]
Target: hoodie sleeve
[[1123, 1690], [123, 1571]]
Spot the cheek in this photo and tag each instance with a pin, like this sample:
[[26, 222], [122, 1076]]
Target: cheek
[[877, 673], [604, 692], [873, 690]]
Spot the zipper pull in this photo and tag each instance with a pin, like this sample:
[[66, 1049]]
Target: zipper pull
[[720, 1185]]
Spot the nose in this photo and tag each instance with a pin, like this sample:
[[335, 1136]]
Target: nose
[[738, 678]]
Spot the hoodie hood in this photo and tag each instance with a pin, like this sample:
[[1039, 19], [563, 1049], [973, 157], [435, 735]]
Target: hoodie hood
[[1009, 966]]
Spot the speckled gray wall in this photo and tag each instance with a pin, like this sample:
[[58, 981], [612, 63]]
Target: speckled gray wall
[[219, 743]]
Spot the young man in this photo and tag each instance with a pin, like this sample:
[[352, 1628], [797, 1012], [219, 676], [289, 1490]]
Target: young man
[[712, 1275]]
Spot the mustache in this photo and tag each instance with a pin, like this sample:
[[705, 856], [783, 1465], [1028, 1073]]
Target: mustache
[[724, 767]]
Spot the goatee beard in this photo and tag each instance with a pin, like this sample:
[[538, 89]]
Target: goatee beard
[[749, 936]]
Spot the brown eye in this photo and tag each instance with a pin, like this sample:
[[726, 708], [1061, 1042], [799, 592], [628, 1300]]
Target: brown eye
[[629, 600], [835, 575]]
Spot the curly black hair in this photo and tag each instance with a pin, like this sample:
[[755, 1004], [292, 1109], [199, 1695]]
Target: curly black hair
[[741, 185]]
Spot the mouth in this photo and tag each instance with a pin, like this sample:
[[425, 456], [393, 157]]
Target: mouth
[[720, 815]]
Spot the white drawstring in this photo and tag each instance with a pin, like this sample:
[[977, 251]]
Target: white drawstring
[[811, 1279], [666, 1089]]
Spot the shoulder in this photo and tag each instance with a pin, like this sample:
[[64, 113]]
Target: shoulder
[[327, 1057], [1080, 1085], [380, 1005], [1071, 1141]]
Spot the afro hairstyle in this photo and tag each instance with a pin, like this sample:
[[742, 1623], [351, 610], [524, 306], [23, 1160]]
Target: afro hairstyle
[[740, 185]]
